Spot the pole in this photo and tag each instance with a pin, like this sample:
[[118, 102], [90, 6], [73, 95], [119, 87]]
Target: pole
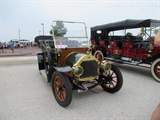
[[19, 39], [42, 28], [19, 33], [39, 32]]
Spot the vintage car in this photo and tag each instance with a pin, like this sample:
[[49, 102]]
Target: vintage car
[[66, 61], [129, 41]]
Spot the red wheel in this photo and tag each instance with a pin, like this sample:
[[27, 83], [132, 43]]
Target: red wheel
[[155, 69], [99, 55]]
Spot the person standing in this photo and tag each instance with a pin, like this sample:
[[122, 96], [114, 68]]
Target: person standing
[[1, 47], [11, 44]]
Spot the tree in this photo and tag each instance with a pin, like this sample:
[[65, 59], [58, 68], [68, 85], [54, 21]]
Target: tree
[[59, 29], [129, 34], [155, 31]]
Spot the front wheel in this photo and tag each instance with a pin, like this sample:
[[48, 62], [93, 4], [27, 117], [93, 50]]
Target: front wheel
[[99, 55], [112, 80], [61, 88], [155, 69]]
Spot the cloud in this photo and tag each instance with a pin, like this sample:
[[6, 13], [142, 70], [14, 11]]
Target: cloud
[[28, 15]]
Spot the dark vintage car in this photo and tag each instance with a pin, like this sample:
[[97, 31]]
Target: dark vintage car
[[66, 61], [129, 41]]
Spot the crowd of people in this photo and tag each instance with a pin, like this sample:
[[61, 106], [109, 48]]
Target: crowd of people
[[15, 45]]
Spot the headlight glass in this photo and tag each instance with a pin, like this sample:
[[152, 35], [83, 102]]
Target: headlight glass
[[105, 65], [78, 71]]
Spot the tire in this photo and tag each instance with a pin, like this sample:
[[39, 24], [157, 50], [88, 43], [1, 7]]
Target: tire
[[50, 60], [99, 55], [155, 69], [40, 62], [61, 88], [93, 51], [113, 80], [45, 64]]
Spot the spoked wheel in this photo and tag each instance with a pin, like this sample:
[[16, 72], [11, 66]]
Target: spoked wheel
[[155, 69], [61, 88], [112, 80], [99, 55]]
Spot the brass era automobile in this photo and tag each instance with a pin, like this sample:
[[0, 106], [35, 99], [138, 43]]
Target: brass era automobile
[[130, 42], [66, 61]]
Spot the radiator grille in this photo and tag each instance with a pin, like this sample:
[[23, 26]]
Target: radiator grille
[[90, 68]]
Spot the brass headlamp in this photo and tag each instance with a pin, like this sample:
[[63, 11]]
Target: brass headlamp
[[105, 65], [77, 71]]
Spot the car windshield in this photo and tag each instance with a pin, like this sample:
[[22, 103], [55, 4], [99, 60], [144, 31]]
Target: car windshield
[[69, 34]]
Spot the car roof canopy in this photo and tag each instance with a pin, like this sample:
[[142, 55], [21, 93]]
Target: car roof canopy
[[42, 37], [126, 24]]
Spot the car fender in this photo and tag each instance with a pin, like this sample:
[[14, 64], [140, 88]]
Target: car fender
[[63, 69], [59, 69], [40, 61]]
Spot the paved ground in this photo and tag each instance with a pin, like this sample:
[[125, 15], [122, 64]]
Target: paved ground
[[29, 51], [25, 95]]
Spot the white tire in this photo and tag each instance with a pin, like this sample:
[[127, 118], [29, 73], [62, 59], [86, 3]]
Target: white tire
[[155, 69], [99, 55]]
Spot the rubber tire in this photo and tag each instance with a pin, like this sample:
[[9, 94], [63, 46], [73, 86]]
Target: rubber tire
[[50, 61], [45, 64], [68, 88], [119, 81], [99, 51], [152, 69]]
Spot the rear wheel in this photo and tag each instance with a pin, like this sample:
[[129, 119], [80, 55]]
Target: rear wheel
[[45, 60], [61, 88], [50, 59], [112, 80], [155, 69]]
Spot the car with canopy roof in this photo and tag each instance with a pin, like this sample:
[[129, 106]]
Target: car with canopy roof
[[66, 61], [129, 41]]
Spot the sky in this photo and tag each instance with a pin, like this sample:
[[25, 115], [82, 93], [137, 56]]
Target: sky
[[22, 19]]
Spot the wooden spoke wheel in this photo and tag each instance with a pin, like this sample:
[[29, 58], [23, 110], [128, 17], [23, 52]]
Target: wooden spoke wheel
[[61, 88], [112, 80]]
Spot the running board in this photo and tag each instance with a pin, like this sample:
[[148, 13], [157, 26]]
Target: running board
[[124, 61], [129, 63]]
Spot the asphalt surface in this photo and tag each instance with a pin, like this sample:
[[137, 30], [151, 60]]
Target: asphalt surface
[[20, 52], [24, 95]]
